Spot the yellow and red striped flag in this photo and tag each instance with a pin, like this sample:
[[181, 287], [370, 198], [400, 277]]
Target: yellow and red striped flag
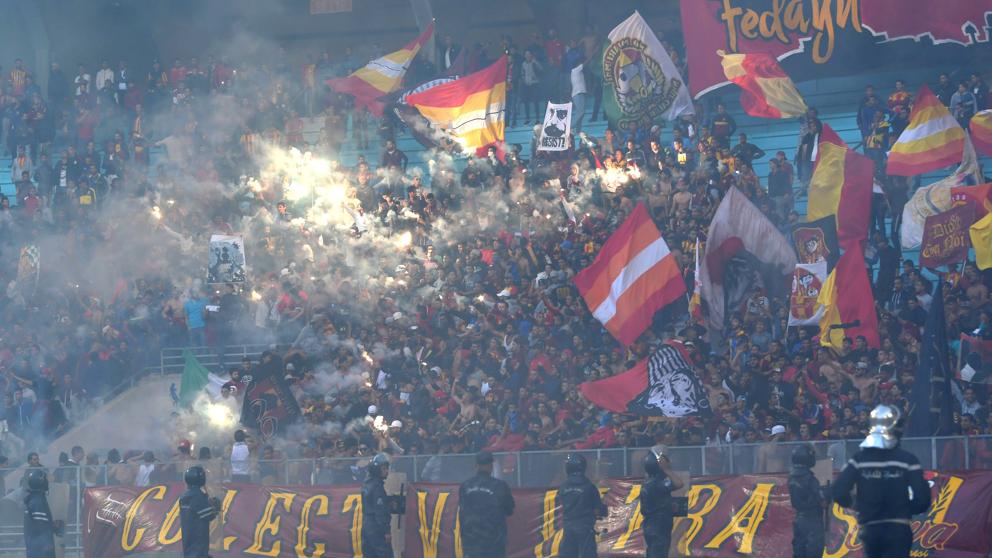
[[932, 140], [633, 276], [981, 131], [471, 108], [380, 76], [767, 90]]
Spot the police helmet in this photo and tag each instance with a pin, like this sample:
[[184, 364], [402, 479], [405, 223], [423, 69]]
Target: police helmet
[[195, 476], [804, 456], [38, 481], [379, 466], [651, 466], [575, 463], [886, 428]]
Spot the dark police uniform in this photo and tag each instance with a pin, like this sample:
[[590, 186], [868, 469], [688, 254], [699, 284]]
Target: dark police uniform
[[484, 503], [375, 519], [39, 528], [581, 504], [196, 511], [884, 478], [807, 499], [656, 507]]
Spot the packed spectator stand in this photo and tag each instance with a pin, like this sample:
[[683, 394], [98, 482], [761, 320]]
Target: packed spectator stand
[[442, 297]]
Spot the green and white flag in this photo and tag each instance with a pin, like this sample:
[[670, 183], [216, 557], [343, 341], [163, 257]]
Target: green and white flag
[[640, 82], [196, 380]]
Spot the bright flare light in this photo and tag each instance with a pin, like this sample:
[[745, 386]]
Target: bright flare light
[[220, 415]]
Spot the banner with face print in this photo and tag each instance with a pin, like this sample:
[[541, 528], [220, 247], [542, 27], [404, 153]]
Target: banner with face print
[[227, 259], [557, 127]]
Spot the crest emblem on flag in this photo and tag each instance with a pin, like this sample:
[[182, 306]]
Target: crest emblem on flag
[[807, 282], [641, 89], [673, 389]]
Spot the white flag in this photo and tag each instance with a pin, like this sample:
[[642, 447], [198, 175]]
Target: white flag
[[557, 127], [936, 198], [807, 281], [643, 81]]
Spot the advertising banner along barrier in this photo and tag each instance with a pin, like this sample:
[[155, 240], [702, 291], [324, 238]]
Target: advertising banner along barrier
[[728, 516]]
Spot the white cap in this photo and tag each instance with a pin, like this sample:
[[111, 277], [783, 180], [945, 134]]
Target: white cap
[[396, 424], [778, 429], [373, 409]]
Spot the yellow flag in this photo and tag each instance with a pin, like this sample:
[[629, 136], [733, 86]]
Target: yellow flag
[[981, 239], [831, 314]]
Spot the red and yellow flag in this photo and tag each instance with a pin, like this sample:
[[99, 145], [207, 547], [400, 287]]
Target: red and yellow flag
[[932, 140], [979, 197], [633, 276], [841, 186], [380, 76], [981, 131], [471, 108], [768, 91], [848, 302]]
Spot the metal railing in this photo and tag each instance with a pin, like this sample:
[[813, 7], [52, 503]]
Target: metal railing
[[519, 469]]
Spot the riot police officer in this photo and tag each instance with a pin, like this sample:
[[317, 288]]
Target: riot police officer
[[807, 499], [39, 526], [484, 503], [196, 511], [376, 537], [581, 505], [890, 487], [656, 503]]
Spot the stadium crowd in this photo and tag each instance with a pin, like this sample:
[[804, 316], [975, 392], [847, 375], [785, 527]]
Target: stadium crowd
[[444, 302]]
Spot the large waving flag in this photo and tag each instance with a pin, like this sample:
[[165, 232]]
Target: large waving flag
[[744, 250], [640, 82], [380, 76], [932, 140], [663, 384], [980, 127], [936, 198], [841, 186], [767, 90], [471, 108], [633, 276], [848, 302]]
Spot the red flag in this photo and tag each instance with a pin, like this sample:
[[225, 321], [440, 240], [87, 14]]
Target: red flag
[[979, 197], [662, 384], [828, 135], [633, 276], [767, 90]]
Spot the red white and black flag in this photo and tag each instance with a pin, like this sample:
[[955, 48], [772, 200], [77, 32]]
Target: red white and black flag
[[269, 404], [664, 384]]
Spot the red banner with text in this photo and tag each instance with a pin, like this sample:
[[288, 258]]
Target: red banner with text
[[814, 38], [728, 517]]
